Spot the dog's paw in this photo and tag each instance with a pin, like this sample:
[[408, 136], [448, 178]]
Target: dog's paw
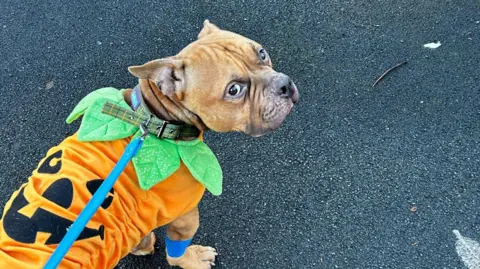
[[195, 257], [145, 247]]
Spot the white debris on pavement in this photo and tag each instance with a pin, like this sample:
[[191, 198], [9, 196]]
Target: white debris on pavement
[[468, 250], [433, 45]]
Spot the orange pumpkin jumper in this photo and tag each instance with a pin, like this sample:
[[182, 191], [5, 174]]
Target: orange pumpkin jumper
[[37, 216], [35, 219]]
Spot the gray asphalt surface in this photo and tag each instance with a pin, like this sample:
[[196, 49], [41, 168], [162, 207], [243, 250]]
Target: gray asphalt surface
[[334, 187]]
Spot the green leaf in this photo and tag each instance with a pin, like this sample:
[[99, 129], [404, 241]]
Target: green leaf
[[108, 93], [97, 126], [202, 163], [156, 161]]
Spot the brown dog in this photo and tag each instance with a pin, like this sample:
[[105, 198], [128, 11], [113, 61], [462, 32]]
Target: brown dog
[[222, 82]]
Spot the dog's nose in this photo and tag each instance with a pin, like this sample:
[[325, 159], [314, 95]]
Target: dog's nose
[[286, 88]]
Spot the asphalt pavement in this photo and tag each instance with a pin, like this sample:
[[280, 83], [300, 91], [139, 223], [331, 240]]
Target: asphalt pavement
[[357, 177]]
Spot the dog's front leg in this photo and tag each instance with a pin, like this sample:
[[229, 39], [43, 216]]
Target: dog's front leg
[[179, 235]]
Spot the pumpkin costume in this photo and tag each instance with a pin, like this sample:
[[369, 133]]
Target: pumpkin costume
[[164, 181]]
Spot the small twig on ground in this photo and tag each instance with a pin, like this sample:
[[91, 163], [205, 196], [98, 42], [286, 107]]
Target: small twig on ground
[[386, 72]]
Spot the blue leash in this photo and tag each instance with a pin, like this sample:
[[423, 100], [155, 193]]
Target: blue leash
[[97, 199]]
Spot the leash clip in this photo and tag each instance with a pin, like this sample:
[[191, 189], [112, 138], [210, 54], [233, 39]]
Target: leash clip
[[144, 128]]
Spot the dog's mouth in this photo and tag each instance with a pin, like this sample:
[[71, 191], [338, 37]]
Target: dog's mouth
[[273, 115], [282, 111]]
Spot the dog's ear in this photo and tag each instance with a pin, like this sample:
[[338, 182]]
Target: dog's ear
[[207, 29], [168, 74]]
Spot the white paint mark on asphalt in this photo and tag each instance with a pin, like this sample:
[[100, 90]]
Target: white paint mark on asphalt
[[432, 45], [49, 85], [468, 250]]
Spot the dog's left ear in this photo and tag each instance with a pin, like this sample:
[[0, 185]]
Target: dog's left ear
[[207, 29], [168, 74]]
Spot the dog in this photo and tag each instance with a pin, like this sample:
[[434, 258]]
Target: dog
[[222, 82]]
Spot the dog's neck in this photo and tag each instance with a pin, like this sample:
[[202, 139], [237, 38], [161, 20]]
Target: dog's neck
[[164, 107]]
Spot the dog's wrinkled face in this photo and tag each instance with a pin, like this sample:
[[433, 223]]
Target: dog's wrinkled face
[[227, 80]]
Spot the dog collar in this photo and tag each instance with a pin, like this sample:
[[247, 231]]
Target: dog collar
[[141, 114]]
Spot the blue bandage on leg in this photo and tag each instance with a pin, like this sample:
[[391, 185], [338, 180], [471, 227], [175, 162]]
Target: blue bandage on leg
[[176, 248]]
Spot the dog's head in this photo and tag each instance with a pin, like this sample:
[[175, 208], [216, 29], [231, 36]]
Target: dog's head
[[227, 80]]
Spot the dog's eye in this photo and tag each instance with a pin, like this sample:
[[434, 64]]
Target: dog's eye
[[235, 90], [262, 53]]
